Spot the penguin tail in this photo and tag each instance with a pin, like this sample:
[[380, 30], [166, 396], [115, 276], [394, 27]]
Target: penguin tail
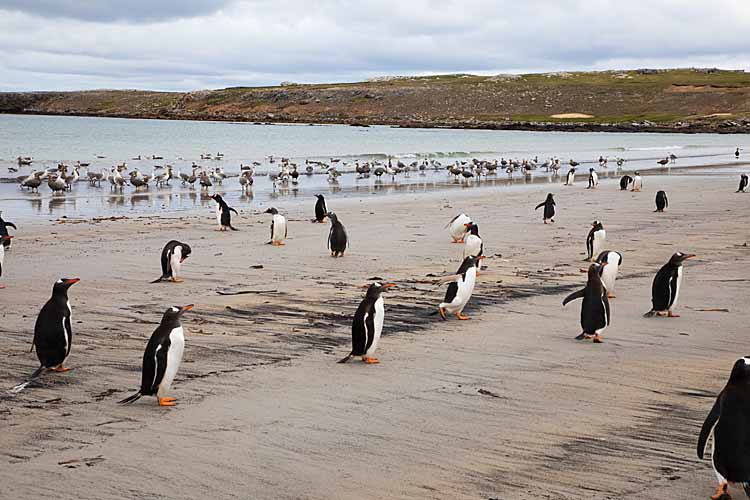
[[233, 228], [650, 314], [32, 377], [158, 280], [130, 399], [347, 358]]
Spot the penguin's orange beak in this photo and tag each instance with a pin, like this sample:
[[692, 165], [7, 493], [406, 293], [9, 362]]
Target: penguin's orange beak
[[689, 256], [187, 308], [481, 257], [389, 285], [468, 224], [72, 281]]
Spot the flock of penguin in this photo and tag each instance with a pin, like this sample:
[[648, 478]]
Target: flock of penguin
[[162, 356]]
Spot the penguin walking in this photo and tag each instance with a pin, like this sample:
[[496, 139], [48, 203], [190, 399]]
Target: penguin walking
[[593, 179], [637, 182], [337, 237], [321, 210], [473, 245], [53, 333], [162, 358], [4, 225], [223, 213], [278, 227], [661, 201], [727, 422], [609, 272], [571, 177], [172, 257], [743, 183], [549, 208], [665, 289], [3, 239], [595, 240], [368, 324], [457, 227], [625, 181], [595, 307], [460, 288]]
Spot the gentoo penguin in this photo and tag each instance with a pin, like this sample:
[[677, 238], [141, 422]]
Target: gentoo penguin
[[321, 211], [609, 272], [637, 182], [53, 334], [223, 213], [368, 324], [337, 238], [625, 181], [278, 227], [3, 239], [728, 423], [549, 208], [172, 257], [457, 227], [661, 201], [737, 153], [162, 358], [473, 245], [595, 307], [743, 183], [593, 179], [4, 225], [460, 288], [665, 289], [571, 177], [595, 240]]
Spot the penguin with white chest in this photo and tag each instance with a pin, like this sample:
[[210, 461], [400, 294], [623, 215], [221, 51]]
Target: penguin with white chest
[[595, 240], [665, 289], [162, 358], [321, 210], [637, 182], [223, 213], [473, 245], [172, 257], [460, 288], [609, 272], [457, 227], [4, 225], [571, 177], [3, 239], [278, 227], [728, 423], [337, 237], [595, 306], [367, 325], [593, 179]]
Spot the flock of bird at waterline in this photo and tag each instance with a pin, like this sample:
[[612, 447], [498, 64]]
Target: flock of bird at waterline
[[162, 356]]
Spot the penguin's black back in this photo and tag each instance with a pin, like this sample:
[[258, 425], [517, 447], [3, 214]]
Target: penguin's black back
[[50, 331], [624, 181], [664, 287], [166, 256], [320, 208], [732, 434], [661, 201], [452, 291], [594, 310], [155, 358], [337, 238], [363, 326]]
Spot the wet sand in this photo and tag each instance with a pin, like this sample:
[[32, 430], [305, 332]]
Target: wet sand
[[507, 405]]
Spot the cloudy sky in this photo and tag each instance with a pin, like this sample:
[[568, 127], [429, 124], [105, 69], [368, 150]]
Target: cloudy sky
[[195, 44]]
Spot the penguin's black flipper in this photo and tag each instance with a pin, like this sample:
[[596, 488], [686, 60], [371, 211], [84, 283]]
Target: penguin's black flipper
[[574, 296], [11, 225], [233, 210], [708, 426], [540, 205], [130, 399], [347, 358]]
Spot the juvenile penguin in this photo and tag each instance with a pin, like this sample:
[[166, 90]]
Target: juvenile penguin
[[460, 288], [321, 211], [637, 182], [53, 333], [162, 358], [223, 213], [661, 201], [728, 423], [278, 227], [593, 179], [337, 238], [609, 272], [368, 324], [595, 307], [3, 239], [172, 257], [665, 289], [571, 177], [625, 181], [549, 208], [457, 227], [595, 240], [743, 183], [4, 225]]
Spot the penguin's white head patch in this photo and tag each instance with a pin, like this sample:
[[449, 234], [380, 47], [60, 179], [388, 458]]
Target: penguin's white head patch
[[746, 360], [175, 309]]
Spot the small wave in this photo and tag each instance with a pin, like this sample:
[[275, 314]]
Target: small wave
[[654, 148]]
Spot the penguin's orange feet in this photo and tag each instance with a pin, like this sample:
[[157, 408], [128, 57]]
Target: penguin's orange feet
[[722, 492], [661, 313], [610, 296], [167, 402], [462, 317], [370, 361], [597, 339], [60, 369], [670, 314], [2, 287], [176, 280], [442, 313]]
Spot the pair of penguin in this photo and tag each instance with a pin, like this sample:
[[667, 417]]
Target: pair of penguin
[[338, 240], [549, 208], [595, 240], [279, 230], [224, 213], [173, 255]]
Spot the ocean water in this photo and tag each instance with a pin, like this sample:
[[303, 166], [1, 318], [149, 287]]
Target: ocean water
[[105, 142]]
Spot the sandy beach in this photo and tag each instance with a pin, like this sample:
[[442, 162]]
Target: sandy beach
[[506, 405]]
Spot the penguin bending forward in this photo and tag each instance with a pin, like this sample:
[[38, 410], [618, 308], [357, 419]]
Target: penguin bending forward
[[743, 183], [549, 208], [368, 324], [162, 358], [665, 289], [278, 227], [728, 423], [337, 237], [223, 215], [595, 240], [609, 272], [625, 181], [457, 227], [172, 257], [460, 288], [595, 307], [473, 244], [661, 201], [321, 210]]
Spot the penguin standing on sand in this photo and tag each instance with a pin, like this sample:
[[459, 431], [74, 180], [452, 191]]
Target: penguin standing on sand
[[637, 182], [743, 183], [571, 177], [457, 227], [593, 179], [609, 272], [728, 423], [4, 225], [53, 333], [460, 288], [321, 210], [625, 181], [549, 208], [3, 239], [661, 201], [162, 358], [595, 240], [368, 324], [595, 307], [278, 227], [665, 289], [223, 213], [172, 257], [337, 238]]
